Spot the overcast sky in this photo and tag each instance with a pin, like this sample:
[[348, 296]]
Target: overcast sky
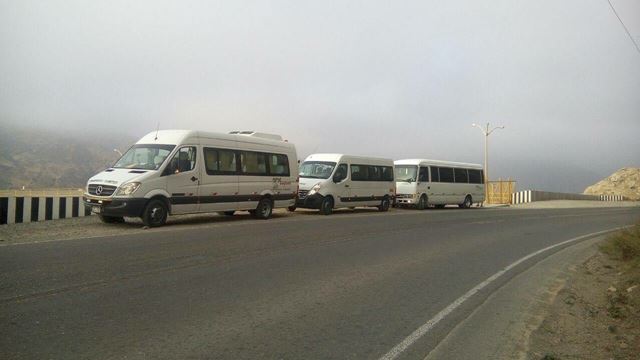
[[388, 78]]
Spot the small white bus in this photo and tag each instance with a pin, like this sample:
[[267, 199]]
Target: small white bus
[[183, 171], [331, 181], [421, 182]]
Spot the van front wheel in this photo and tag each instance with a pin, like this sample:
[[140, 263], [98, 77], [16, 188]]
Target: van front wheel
[[264, 209], [326, 207], [155, 213]]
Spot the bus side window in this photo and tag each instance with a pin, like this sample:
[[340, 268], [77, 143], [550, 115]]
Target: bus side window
[[424, 174], [435, 174]]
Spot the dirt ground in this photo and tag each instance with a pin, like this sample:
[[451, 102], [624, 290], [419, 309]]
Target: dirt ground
[[595, 316]]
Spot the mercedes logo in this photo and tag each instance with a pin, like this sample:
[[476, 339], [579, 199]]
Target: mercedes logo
[[99, 190]]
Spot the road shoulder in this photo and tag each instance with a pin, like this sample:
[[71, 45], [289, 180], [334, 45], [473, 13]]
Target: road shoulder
[[501, 327]]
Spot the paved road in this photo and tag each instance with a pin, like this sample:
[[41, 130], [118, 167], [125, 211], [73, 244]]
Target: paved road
[[351, 285]]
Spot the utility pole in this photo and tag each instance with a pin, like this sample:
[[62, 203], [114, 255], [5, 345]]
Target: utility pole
[[486, 132]]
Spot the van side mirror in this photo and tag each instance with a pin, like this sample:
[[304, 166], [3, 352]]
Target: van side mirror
[[172, 167], [338, 177]]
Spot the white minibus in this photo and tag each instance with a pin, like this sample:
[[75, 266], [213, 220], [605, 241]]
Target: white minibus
[[183, 171], [331, 181], [421, 182]]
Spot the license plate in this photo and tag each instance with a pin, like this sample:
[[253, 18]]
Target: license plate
[[96, 209]]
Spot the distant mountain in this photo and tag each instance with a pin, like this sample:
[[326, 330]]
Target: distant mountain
[[625, 182], [46, 159]]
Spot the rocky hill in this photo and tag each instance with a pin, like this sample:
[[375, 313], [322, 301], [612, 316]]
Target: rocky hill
[[625, 182], [46, 159]]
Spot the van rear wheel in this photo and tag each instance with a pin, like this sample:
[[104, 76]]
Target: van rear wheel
[[155, 213], [385, 204], [326, 206], [264, 209]]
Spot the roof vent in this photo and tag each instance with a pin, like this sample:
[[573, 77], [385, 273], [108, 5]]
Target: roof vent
[[258, 134]]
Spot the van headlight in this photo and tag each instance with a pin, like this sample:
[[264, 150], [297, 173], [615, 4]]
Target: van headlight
[[128, 188], [315, 189]]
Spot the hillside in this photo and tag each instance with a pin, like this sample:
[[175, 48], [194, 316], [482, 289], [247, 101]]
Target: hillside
[[45, 159], [625, 182]]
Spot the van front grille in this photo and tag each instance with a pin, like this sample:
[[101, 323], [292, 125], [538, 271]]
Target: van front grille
[[302, 194], [101, 190]]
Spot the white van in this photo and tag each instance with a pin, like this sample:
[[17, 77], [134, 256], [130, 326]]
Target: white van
[[331, 181], [183, 171], [422, 182]]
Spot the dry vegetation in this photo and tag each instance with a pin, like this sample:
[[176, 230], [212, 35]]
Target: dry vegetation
[[597, 314]]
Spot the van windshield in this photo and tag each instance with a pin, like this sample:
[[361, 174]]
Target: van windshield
[[406, 173], [316, 169], [147, 157]]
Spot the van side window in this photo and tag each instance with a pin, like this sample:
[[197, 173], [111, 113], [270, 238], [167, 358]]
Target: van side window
[[220, 161], [424, 174], [184, 160], [359, 172], [446, 175], [375, 173], [341, 173], [435, 174], [278, 165], [461, 176], [387, 173], [253, 163]]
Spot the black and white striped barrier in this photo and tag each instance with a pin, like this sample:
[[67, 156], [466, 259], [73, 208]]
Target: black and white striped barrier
[[23, 209], [527, 196], [612, 198]]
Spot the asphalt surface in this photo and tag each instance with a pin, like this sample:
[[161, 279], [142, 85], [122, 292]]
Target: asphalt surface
[[347, 286]]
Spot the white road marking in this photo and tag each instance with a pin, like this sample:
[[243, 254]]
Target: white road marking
[[424, 329]]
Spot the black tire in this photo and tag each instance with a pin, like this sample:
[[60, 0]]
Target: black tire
[[292, 208], [229, 213], [385, 204], [111, 219], [467, 202], [422, 203], [264, 209], [155, 213], [326, 207], [440, 206]]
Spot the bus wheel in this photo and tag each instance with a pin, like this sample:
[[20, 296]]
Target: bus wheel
[[111, 219], [291, 208], [467, 202], [326, 207], [385, 204], [422, 203], [155, 213], [264, 209]]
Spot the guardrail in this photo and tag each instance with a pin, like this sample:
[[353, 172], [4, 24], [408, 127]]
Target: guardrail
[[527, 196], [23, 209]]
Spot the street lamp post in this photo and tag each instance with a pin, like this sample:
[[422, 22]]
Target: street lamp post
[[486, 132]]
